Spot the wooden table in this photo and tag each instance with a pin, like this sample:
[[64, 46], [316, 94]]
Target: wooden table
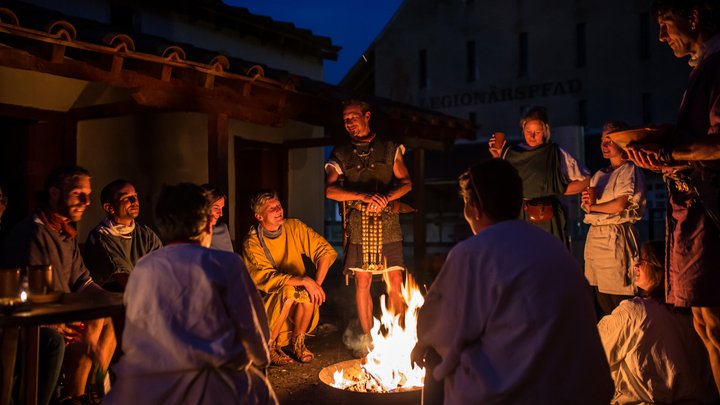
[[71, 308]]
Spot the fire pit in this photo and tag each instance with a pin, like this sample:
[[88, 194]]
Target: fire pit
[[387, 375], [352, 371]]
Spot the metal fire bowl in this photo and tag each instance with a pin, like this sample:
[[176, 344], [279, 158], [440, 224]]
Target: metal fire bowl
[[412, 396]]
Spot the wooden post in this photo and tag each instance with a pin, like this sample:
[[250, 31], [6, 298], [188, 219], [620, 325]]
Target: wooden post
[[419, 223]]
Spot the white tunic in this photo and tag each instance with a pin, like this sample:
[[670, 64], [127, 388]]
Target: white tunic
[[655, 355], [611, 244], [195, 332], [512, 318]]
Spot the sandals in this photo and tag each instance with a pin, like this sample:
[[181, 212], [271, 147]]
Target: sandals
[[278, 357], [301, 352]]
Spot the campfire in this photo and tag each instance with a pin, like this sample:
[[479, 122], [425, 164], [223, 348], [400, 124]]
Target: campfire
[[387, 368]]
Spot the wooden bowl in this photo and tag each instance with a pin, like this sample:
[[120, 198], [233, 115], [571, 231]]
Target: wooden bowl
[[639, 135]]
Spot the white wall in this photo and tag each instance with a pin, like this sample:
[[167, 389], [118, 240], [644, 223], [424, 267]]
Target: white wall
[[149, 150]]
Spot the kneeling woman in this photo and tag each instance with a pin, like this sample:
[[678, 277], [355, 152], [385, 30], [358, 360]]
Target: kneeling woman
[[655, 356]]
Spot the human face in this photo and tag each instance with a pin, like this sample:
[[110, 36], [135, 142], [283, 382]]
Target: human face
[[610, 150], [642, 280], [356, 122], [678, 34], [126, 206], [270, 215], [217, 211], [534, 132], [71, 201]]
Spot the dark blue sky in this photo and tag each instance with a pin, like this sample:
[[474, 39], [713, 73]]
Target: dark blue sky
[[352, 24]]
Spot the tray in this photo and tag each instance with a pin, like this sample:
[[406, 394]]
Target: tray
[[46, 298], [639, 135]]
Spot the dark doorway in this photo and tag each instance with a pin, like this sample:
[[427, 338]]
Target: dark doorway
[[258, 165]]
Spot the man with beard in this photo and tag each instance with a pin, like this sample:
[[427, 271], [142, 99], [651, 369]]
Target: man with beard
[[690, 163], [367, 175], [115, 245], [50, 237]]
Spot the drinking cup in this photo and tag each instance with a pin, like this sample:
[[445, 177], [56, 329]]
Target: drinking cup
[[40, 279]]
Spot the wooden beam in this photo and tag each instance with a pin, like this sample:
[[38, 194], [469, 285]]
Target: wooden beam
[[108, 110], [313, 142], [30, 113]]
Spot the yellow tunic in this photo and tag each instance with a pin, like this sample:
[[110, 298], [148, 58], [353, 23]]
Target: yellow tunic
[[295, 240]]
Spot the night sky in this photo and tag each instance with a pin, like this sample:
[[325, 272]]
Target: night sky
[[352, 24]]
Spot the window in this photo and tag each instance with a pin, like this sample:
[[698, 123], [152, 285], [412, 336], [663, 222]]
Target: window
[[471, 62], [647, 108], [422, 73], [580, 46], [522, 54], [644, 37]]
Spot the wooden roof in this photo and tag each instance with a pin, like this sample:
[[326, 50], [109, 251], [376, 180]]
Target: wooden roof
[[162, 75]]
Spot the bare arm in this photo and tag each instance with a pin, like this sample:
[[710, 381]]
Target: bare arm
[[614, 206], [577, 186], [706, 148], [322, 268], [403, 185]]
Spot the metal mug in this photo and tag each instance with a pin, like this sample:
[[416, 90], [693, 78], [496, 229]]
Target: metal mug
[[9, 282], [40, 279]]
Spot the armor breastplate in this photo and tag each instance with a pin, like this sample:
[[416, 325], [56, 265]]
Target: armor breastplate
[[367, 167]]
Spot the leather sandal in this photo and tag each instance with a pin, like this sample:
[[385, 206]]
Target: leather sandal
[[301, 352], [278, 357]]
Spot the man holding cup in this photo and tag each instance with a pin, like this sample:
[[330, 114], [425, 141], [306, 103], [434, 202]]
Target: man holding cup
[[49, 237]]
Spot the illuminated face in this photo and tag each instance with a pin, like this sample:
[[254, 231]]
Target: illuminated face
[[356, 122], [534, 132], [126, 206], [217, 211], [270, 214], [609, 148], [642, 280], [71, 201], [678, 35]]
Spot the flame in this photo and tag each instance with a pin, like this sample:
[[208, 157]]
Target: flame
[[388, 367], [23, 296]]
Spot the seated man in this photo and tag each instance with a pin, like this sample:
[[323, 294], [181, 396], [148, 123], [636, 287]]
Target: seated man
[[510, 314], [49, 237], [195, 330], [273, 253], [115, 245]]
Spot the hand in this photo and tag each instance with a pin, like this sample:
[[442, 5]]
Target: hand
[[376, 202], [585, 201], [317, 294], [72, 332], [495, 150], [417, 356], [646, 156]]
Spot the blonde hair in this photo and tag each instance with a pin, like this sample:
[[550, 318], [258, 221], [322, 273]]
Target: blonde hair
[[537, 114], [260, 198]]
